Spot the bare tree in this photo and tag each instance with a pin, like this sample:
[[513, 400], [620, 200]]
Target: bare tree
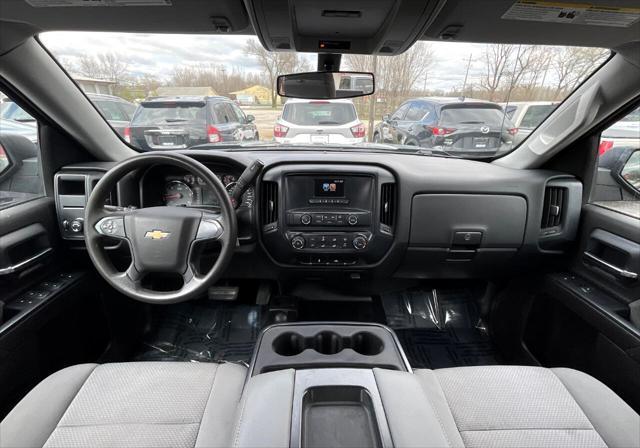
[[572, 65], [108, 66], [496, 58], [274, 64], [396, 76], [216, 76]]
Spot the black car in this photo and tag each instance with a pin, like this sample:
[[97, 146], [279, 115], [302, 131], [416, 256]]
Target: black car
[[452, 124], [180, 122]]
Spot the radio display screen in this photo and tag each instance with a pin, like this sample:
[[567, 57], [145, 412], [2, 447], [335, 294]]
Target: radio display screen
[[329, 187]]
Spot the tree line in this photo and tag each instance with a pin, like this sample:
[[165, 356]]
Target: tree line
[[500, 72]]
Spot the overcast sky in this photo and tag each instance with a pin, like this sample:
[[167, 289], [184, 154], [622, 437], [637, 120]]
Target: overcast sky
[[158, 54]]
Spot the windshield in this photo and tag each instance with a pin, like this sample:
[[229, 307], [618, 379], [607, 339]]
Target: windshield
[[182, 91]]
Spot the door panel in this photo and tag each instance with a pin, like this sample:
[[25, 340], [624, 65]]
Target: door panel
[[615, 238]]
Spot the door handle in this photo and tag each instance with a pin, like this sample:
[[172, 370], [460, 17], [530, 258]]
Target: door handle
[[25, 263], [611, 268]]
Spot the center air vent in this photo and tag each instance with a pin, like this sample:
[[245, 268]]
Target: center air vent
[[554, 199], [269, 204], [387, 204]]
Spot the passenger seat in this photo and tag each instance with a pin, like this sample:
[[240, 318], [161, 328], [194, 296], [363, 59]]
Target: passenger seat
[[504, 406]]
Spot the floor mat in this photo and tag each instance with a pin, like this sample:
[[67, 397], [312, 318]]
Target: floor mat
[[203, 331], [439, 328]]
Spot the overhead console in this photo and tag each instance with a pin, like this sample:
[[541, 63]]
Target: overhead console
[[385, 27], [327, 215]]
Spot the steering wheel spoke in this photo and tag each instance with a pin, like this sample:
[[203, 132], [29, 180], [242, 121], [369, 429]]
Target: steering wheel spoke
[[211, 227], [112, 226]]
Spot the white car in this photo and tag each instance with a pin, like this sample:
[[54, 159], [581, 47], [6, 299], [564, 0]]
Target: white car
[[319, 122], [527, 115]]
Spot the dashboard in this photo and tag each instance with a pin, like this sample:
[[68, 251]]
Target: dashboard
[[359, 214]]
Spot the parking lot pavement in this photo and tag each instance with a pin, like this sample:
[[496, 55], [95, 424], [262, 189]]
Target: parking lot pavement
[[265, 119]]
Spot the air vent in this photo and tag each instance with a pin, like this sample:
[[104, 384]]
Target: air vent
[[269, 204], [554, 200], [387, 204]]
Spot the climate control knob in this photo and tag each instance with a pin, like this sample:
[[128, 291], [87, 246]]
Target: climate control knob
[[298, 242], [360, 242], [305, 219], [352, 220]]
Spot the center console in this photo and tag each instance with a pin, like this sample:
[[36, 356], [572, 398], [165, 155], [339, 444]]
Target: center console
[[327, 215], [316, 386]]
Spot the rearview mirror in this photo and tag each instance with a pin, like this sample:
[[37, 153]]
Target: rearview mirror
[[326, 85]]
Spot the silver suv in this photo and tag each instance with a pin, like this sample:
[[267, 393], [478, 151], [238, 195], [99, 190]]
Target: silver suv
[[319, 122]]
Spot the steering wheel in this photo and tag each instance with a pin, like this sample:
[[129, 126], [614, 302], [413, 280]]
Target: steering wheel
[[161, 239]]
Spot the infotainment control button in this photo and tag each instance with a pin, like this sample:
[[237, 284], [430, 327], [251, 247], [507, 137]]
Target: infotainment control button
[[297, 242], [305, 219], [360, 242], [352, 220]]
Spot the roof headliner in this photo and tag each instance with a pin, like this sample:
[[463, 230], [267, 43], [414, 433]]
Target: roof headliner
[[480, 19]]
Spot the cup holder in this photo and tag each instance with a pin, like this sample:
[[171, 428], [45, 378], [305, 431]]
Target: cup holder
[[289, 344], [367, 344], [328, 343]]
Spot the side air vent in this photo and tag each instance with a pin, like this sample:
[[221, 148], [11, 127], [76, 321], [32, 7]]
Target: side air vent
[[387, 204], [554, 202], [269, 204]]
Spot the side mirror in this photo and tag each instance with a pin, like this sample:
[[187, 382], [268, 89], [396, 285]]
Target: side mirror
[[5, 162], [628, 173], [326, 85], [250, 118], [386, 118]]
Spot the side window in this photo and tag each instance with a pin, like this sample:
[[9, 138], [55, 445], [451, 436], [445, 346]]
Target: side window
[[510, 110], [222, 113], [345, 83], [128, 109], [20, 170], [618, 177], [399, 114], [242, 118], [110, 111], [417, 112]]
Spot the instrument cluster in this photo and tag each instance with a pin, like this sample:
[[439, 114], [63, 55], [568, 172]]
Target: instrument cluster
[[191, 191]]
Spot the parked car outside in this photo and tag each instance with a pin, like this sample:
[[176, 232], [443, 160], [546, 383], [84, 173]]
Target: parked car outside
[[625, 132], [180, 122], [11, 111], [16, 127], [319, 122], [527, 115], [117, 111], [456, 125]]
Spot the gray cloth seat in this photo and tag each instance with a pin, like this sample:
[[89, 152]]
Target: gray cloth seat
[[505, 406], [145, 404], [159, 404]]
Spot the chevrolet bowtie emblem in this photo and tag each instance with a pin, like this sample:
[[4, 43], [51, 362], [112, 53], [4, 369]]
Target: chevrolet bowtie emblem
[[157, 235]]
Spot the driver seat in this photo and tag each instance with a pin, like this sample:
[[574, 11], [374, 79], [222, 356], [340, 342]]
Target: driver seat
[[133, 404]]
